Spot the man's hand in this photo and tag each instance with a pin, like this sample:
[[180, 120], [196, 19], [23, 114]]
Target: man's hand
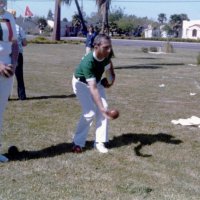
[[105, 83], [97, 99], [6, 70], [105, 113]]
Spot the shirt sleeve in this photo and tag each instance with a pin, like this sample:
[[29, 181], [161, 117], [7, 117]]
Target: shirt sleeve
[[22, 33], [12, 22]]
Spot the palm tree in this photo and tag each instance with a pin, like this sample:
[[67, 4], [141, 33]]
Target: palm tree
[[56, 29], [103, 7], [84, 28], [176, 21], [162, 18]]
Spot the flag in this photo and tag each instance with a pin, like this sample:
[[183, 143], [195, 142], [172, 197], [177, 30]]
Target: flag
[[28, 13]]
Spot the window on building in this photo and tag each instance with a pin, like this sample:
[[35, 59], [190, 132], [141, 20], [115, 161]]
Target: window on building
[[194, 33]]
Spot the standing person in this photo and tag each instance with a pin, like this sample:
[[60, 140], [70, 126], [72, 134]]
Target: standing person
[[21, 39], [90, 39], [8, 59], [90, 92]]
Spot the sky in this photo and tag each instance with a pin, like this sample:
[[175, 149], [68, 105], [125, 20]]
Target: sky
[[139, 8]]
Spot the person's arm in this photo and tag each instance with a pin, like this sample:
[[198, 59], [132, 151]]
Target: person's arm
[[24, 42], [15, 48], [110, 76], [95, 94], [112, 72], [23, 36]]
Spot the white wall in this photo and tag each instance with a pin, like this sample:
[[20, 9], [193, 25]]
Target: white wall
[[189, 27]]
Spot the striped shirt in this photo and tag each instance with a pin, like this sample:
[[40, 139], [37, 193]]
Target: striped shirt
[[20, 37], [7, 35]]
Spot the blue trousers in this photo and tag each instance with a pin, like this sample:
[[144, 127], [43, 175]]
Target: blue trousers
[[20, 78]]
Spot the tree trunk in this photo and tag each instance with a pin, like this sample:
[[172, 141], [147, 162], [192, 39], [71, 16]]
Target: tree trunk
[[104, 12], [56, 29], [81, 17]]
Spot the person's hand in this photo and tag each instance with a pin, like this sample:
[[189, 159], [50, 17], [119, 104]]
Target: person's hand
[[105, 82], [6, 70], [106, 114]]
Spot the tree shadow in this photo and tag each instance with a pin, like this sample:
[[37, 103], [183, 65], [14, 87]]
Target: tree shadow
[[143, 58], [137, 67], [142, 139], [46, 97], [147, 66]]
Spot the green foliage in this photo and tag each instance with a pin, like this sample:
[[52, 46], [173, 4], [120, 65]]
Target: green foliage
[[115, 15], [168, 48], [126, 24], [144, 49], [153, 49], [42, 22], [176, 21], [42, 40], [167, 28], [162, 18], [50, 15], [119, 22], [45, 40], [76, 21]]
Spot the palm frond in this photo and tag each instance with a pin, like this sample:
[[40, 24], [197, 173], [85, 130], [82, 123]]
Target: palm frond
[[67, 2]]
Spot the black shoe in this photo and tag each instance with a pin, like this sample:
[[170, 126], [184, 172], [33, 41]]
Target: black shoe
[[77, 149], [22, 98]]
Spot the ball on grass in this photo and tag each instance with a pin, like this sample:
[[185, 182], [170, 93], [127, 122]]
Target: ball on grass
[[113, 113]]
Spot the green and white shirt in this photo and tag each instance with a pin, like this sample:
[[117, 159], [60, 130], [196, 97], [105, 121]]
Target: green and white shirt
[[90, 68]]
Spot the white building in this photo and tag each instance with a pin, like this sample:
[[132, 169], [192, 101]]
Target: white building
[[150, 32], [191, 29], [63, 26]]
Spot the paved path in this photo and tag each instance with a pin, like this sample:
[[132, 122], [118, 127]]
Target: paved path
[[141, 43]]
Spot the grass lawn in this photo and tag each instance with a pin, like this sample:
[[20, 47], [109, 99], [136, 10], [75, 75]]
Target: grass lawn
[[149, 157]]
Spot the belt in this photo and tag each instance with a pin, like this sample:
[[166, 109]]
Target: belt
[[81, 79]]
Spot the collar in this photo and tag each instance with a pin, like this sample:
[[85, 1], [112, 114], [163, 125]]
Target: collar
[[95, 57]]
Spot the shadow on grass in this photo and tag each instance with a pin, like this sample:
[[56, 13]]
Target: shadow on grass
[[139, 58], [142, 140], [46, 97], [125, 139], [14, 154], [137, 67], [147, 66]]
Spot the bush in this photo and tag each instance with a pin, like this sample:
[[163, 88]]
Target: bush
[[168, 48], [153, 49], [44, 40], [145, 49], [40, 40]]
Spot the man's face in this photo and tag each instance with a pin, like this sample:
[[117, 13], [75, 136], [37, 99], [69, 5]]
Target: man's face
[[104, 48], [2, 4]]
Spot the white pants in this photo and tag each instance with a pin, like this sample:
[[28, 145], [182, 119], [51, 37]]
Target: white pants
[[5, 88], [89, 112]]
